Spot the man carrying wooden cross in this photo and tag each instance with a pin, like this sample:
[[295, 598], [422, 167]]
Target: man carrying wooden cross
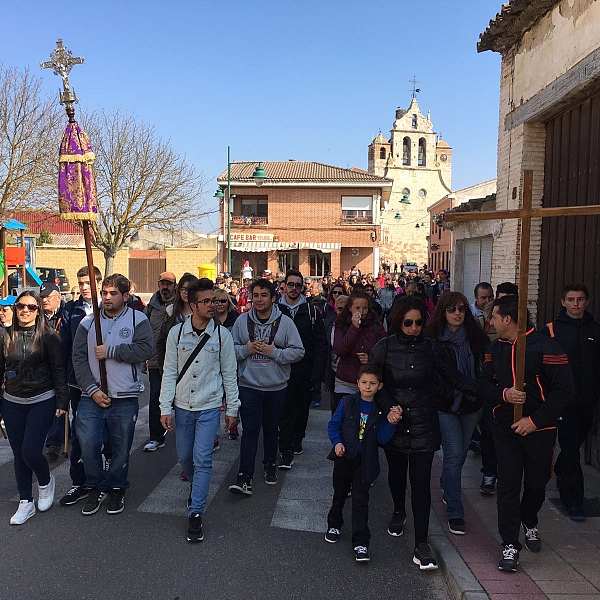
[[524, 448]]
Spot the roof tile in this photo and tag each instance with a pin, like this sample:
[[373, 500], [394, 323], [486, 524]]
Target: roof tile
[[301, 171]]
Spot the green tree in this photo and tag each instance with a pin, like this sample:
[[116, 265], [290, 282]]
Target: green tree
[[43, 238]]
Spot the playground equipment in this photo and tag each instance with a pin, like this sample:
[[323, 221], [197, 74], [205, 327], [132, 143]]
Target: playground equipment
[[13, 257]]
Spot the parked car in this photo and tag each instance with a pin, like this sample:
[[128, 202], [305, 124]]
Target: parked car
[[47, 274], [56, 276]]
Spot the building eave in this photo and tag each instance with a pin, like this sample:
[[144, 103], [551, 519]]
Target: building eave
[[509, 25]]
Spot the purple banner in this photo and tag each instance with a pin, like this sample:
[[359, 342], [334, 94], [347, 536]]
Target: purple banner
[[77, 194]]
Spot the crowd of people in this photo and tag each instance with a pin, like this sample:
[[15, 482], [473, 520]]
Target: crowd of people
[[409, 365]]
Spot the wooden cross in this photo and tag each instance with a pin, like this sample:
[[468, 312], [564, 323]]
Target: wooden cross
[[525, 213]]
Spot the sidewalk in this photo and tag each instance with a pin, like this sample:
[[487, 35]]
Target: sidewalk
[[566, 568]]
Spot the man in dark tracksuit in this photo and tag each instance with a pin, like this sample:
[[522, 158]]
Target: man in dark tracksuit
[[73, 313], [306, 373], [579, 336], [524, 449]]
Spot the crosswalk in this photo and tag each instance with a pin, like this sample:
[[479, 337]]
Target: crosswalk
[[304, 493]]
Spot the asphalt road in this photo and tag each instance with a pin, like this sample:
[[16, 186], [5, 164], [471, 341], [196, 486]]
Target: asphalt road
[[268, 546]]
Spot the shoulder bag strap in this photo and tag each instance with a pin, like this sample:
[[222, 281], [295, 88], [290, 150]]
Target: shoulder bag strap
[[192, 356]]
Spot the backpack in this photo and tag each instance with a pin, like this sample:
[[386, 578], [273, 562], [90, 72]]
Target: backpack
[[272, 333]]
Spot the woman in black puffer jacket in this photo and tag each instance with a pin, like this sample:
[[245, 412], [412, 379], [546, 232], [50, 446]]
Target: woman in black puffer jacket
[[35, 391], [416, 371]]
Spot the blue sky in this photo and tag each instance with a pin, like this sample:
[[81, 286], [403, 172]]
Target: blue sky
[[275, 79]]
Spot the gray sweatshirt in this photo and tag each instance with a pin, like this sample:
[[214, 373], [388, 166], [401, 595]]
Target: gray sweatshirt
[[129, 341], [266, 373]]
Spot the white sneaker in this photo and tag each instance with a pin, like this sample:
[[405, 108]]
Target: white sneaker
[[46, 497], [25, 511], [154, 445]]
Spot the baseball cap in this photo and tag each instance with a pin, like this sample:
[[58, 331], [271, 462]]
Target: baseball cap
[[167, 276], [8, 301], [47, 288]]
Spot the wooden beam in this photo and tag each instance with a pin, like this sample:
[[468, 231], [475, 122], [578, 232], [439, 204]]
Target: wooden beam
[[523, 289], [554, 211]]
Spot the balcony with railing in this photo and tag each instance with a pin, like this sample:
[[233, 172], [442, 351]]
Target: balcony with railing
[[357, 217], [249, 220]]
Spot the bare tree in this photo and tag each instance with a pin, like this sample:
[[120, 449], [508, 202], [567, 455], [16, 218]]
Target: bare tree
[[142, 181], [30, 130]]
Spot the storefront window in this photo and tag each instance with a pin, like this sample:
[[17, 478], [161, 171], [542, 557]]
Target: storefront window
[[288, 260], [320, 263], [257, 260]]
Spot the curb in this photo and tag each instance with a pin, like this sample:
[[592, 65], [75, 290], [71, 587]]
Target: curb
[[461, 581]]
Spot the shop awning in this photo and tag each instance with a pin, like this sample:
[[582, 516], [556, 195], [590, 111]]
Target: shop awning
[[322, 246], [282, 246]]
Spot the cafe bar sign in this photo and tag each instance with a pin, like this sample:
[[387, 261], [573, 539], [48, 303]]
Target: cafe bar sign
[[251, 237]]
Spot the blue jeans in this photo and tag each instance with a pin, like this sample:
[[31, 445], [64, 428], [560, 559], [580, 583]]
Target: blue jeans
[[456, 436], [27, 426], [118, 420], [258, 409], [194, 437]]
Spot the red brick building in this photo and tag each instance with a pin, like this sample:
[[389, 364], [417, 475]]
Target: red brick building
[[440, 239], [307, 215]]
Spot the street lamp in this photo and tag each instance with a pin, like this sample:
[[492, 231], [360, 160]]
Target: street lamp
[[259, 176]]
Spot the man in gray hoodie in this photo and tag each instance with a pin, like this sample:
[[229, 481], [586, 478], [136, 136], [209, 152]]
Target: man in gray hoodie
[[126, 343], [266, 342]]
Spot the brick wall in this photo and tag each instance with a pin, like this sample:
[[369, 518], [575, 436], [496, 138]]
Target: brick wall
[[180, 260], [72, 259], [519, 149], [298, 214]]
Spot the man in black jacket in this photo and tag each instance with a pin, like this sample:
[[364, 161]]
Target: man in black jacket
[[579, 336], [306, 373], [74, 312], [524, 449]]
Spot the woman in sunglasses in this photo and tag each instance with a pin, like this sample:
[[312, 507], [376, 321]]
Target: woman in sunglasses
[[453, 324], [35, 391], [225, 309], [414, 368], [177, 313], [357, 329]]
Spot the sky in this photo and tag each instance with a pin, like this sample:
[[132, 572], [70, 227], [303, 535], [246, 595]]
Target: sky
[[277, 79]]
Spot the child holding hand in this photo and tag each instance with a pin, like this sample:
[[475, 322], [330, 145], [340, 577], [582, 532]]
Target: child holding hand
[[355, 430]]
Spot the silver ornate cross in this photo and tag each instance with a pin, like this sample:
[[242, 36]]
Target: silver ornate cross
[[62, 62]]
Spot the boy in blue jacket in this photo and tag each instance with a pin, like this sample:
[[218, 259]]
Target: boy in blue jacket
[[355, 430]]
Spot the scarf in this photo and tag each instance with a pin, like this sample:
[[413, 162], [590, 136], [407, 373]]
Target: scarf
[[464, 357]]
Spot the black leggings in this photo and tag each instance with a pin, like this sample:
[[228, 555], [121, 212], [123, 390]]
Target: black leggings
[[419, 470], [27, 426]]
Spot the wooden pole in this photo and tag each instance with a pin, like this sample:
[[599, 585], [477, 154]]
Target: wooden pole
[[523, 288], [5, 291], [23, 268], [90, 261]]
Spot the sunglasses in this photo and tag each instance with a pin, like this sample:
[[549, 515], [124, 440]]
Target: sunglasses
[[336, 293], [185, 289], [221, 301], [410, 322], [298, 286], [29, 307], [206, 301], [452, 309]]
